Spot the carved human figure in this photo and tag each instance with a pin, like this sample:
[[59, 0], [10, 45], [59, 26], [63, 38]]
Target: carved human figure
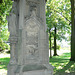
[[32, 29], [12, 22]]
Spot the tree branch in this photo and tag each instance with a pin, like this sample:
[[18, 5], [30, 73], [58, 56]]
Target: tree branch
[[63, 16]]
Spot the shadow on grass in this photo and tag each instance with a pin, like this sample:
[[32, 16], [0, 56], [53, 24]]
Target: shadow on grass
[[4, 62], [67, 69], [62, 64]]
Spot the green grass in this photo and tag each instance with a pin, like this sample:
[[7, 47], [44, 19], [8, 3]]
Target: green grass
[[62, 64], [3, 65]]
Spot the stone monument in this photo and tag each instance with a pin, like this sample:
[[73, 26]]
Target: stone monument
[[28, 39]]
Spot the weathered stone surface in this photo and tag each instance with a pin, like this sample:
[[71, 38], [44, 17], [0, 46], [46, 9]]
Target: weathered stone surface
[[33, 67], [29, 40]]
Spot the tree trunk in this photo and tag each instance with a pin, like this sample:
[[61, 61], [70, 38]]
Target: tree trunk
[[50, 44], [73, 30], [0, 31], [0, 1], [55, 49]]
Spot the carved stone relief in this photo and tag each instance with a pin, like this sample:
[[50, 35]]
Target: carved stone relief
[[32, 5], [12, 22], [32, 1], [32, 26]]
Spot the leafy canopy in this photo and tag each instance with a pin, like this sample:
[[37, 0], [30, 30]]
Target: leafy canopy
[[58, 14]]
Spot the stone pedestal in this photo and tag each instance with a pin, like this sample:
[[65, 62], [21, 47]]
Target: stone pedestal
[[29, 53]]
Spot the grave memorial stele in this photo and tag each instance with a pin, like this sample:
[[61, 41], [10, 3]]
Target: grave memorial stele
[[28, 39]]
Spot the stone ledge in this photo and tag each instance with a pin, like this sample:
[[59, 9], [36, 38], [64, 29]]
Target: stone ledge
[[30, 67], [33, 67]]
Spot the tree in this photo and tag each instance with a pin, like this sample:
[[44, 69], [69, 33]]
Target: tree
[[55, 45], [50, 45], [73, 30], [57, 18], [5, 7]]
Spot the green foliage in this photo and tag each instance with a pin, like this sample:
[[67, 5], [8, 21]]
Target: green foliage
[[4, 33], [5, 7], [58, 14], [3, 46], [58, 20], [57, 47]]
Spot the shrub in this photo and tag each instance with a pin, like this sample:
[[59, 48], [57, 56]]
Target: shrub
[[3, 46]]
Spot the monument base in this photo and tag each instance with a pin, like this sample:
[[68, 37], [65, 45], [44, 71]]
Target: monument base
[[32, 69], [38, 72], [11, 69]]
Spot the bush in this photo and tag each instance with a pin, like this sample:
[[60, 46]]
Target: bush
[[3, 46], [58, 47]]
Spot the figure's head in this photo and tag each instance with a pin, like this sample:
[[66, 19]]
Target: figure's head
[[14, 7], [33, 11]]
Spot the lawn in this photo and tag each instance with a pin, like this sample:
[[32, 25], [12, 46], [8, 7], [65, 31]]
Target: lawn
[[61, 63], [4, 60]]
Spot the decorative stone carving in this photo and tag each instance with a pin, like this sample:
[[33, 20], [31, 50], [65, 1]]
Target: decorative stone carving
[[33, 15], [31, 2], [28, 39], [12, 22], [32, 26]]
